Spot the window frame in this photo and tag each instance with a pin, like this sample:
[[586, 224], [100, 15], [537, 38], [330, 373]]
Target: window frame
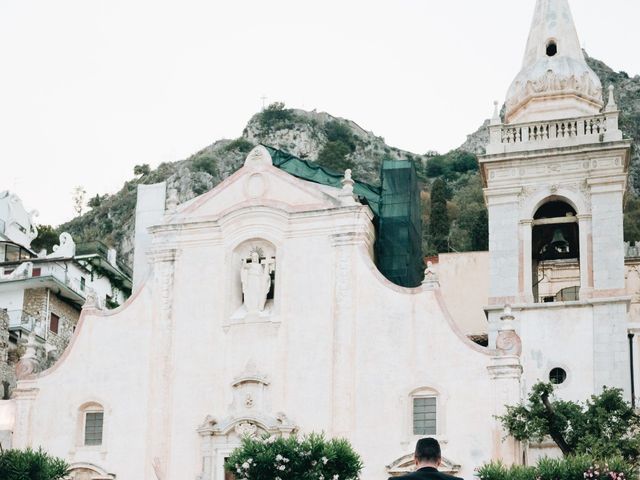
[[413, 414], [92, 406], [442, 399], [92, 411], [57, 323]]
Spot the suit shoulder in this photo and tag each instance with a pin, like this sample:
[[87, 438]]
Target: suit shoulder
[[446, 476]]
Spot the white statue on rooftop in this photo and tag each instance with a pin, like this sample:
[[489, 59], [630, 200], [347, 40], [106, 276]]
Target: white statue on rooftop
[[24, 270], [66, 248], [256, 283], [16, 223]]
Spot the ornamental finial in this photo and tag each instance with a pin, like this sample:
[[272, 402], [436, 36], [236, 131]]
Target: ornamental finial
[[611, 102]]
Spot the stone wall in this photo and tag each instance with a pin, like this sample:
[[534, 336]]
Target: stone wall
[[35, 305], [68, 319], [7, 376]]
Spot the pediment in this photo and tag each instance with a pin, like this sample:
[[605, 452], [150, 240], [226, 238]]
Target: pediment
[[405, 464], [258, 182], [88, 471]]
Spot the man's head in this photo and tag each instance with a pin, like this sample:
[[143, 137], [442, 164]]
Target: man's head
[[428, 453]]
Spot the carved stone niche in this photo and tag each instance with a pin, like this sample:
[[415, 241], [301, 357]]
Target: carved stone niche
[[249, 393], [253, 281], [406, 464]]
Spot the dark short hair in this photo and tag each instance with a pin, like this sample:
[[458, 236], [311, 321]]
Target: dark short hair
[[428, 450]]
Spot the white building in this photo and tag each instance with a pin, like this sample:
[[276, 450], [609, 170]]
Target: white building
[[42, 293], [258, 307]]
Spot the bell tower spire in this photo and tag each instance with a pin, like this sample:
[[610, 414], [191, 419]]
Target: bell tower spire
[[555, 175], [555, 81]]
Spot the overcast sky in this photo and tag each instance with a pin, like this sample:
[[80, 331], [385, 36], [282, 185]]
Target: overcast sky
[[90, 88]]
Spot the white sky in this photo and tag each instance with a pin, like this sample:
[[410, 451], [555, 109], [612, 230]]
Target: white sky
[[89, 88]]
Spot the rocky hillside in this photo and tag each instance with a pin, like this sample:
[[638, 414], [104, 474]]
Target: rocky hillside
[[338, 143]]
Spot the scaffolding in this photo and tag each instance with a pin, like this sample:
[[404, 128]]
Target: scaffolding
[[395, 205]]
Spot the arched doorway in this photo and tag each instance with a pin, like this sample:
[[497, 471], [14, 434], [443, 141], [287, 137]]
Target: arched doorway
[[555, 253]]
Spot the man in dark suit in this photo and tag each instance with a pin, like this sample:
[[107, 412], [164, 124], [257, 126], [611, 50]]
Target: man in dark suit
[[428, 458]]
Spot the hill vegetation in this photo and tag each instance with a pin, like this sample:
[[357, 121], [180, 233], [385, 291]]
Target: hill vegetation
[[338, 144]]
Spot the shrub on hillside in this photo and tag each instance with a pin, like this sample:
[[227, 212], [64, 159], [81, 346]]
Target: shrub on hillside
[[451, 165], [240, 144], [340, 144], [276, 117], [205, 163]]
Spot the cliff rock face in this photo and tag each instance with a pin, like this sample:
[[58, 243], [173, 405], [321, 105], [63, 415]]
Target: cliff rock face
[[338, 144]]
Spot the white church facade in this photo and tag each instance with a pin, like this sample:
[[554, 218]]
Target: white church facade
[[258, 307]]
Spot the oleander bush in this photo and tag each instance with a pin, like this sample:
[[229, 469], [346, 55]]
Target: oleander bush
[[578, 467], [294, 458], [31, 465]]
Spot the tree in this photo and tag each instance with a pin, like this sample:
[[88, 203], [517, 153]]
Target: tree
[[603, 426], [95, 202], [143, 169], [334, 156], [439, 223], [46, 239], [31, 464], [276, 116], [78, 195]]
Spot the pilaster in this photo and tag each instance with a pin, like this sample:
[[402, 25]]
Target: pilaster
[[24, 396], [159, 420], [504, 273], [345, 294], [607, 246]]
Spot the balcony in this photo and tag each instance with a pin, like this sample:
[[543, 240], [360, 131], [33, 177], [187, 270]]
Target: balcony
[[61, 277], [508, 138], [20, 320]]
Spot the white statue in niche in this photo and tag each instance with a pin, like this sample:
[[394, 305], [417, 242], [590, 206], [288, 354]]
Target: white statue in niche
[[256, 282]]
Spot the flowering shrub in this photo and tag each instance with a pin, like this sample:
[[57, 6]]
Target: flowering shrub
[[308, 458], [579, 467]]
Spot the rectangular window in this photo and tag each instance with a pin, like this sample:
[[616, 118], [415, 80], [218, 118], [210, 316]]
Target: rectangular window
[[82, 283], [36, 272], [93, 428], [12, 253], [54, 323], [424, 416]]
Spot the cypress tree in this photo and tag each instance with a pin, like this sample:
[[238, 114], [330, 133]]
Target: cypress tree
[[439, 222]]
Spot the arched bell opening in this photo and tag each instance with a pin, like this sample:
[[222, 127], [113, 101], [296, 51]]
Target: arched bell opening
[[555, 253]]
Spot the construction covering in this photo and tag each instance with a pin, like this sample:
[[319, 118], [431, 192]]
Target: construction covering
[[313, 172], [395, 205], [399, 233]]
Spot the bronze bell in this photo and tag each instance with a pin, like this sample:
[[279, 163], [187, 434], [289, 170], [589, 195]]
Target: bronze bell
[[559, 242]]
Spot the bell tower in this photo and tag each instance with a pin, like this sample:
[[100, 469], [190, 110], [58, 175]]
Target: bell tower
[[555, 173]]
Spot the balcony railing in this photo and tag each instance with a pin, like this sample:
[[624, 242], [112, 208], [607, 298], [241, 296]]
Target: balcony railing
[[532, 135], [59, 271], [22, 320]]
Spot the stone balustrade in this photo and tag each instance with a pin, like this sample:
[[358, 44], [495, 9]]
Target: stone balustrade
[[506, 138]]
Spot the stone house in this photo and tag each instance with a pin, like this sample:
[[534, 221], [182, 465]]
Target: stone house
[[41, 293]]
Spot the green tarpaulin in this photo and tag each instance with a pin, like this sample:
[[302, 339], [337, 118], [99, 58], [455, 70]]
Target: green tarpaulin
[[395, 204]]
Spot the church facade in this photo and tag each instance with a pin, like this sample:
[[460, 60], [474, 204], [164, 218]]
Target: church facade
[[263, 312], [258, 308]]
